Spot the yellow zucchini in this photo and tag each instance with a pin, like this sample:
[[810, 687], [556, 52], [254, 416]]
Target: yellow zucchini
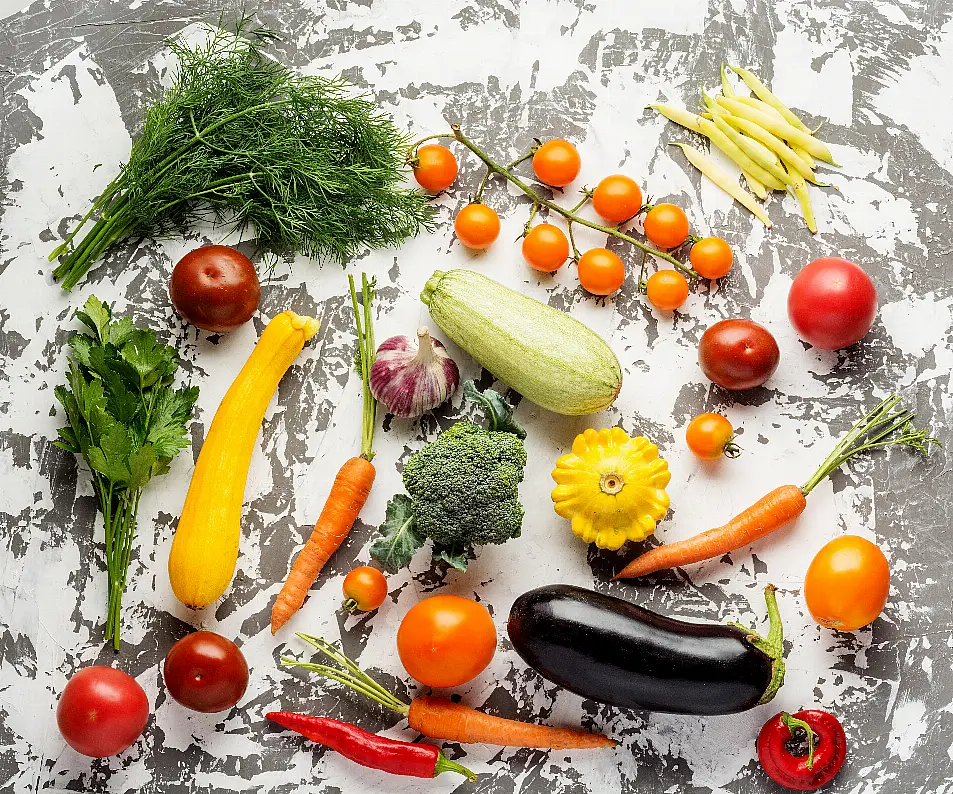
[[205, 546]]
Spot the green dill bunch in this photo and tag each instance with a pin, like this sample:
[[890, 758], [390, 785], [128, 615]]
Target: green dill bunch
[[464, 486], [239, 139]]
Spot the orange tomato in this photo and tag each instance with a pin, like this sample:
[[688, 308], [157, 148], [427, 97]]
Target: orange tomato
[[477, 226], [617, 198], [711, 257], [545, 248], [446, 640], [365, 588], [556, 163], [435, 167], [709, 437], [666, 225], [601, 272], [847, 583], [666, 289]]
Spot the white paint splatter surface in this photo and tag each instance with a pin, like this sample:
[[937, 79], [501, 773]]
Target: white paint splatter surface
[[75, 82]]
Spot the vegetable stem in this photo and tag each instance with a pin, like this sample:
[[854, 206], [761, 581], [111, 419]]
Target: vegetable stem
[[772, 645], [568, 214], [366, 354], [791, 723]]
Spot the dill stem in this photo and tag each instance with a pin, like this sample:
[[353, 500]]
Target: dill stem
[[568, 214]]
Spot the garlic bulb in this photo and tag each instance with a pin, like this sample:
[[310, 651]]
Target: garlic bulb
[[412, 376]]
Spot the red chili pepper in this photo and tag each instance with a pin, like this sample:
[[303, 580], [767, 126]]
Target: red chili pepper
[[802, 751], [369, 749]]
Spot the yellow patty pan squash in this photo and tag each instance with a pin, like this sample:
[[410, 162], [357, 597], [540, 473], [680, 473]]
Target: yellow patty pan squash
[[611, 487]]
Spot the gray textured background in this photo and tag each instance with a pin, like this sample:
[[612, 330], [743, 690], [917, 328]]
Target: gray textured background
[[75, 77]]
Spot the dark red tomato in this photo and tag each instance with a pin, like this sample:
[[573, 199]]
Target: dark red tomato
[[206, 672], [738, 354], [832, 303], [216, 288], [802, 751], [102, 711]]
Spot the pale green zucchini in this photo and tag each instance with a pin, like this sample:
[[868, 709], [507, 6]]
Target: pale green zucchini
[[547, 356]]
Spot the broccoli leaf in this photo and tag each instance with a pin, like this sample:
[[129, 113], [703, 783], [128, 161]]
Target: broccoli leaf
[[399, 536], [458, 555], [499, 412]]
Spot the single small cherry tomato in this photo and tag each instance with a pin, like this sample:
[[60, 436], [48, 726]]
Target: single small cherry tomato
[[711, 257], [477, 226], [832, 303], [738, 354], [711, 436], [102, 711], [666, 289], [617, 198], [435, 167], [215, 288], [601, 272], [802, 751], [666, 225], [446, 640], [205, 672], [556, 163], [365, 588], [847, 583], [545, 248]]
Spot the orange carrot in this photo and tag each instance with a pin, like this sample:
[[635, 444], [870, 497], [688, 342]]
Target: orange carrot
[[351, 487], [440, 718], [769, 513], [881, 427]]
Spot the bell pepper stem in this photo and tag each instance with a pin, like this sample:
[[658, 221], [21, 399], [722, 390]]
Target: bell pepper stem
[[792, 722], [444, 764], [771, 646]]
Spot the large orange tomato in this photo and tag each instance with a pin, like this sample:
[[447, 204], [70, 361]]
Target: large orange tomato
[[446, 640], [847, 583]]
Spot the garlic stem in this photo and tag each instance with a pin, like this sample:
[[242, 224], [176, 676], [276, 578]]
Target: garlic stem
[[425, 354]]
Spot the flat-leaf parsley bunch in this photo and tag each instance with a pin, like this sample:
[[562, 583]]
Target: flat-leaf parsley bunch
[[127, 420]]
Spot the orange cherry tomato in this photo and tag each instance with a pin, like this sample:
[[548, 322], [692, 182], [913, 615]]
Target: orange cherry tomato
[[666, 225], [601, 272], [666, 289], [847, 583], [556, 163], [546, 247], [617, 198], [477, 226], [711, 257], [365, 588], [446, 640], [435, 167], [710, 436]]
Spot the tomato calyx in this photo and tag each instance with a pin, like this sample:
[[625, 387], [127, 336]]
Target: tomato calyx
[[732, 448], [349, 605]]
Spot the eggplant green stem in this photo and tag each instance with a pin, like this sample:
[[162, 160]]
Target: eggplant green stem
[[771, 646]]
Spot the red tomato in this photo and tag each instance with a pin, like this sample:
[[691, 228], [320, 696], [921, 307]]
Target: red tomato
[[711, 257], [556, 163], [365, 588], [666, 290], [545, 248], [446, 640], [435, 167], [215, 288], [847, 583], [206, 672], [102, 711], [832, 303], [784, 751], [617, 198], [738, 354], [711, 437], [477, 226], [601, 272], [666, 225]]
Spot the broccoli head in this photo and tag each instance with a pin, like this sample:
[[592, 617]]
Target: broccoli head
[[464, 486]]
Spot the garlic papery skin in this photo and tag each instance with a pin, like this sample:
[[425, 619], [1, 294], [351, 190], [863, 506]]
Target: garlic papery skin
[[412, 376]]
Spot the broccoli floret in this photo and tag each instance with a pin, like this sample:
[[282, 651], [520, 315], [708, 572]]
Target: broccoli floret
[[464, 486]]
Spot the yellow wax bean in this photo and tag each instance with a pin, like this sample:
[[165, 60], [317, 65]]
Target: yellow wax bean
[[757, 104], [799, 185], [724, 181], [757, 187], [726, 88], [757, 151], [763, 93], [774, 143], [681, 116], [742, 160], [782, 129]]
